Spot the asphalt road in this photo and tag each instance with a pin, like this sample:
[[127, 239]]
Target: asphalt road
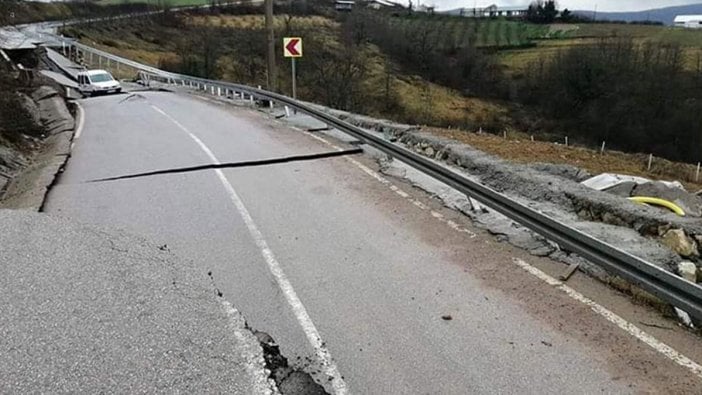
[[91, 310], [354, 281]]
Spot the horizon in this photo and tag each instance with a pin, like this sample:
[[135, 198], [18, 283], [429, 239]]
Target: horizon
[[583, 5]]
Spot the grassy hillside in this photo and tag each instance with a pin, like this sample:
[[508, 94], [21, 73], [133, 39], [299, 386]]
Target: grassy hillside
[[17, 12], [359, 78]]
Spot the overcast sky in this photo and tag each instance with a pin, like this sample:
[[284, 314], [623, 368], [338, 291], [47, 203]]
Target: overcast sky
[[602, 5]]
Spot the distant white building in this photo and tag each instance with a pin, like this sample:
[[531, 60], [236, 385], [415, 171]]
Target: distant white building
[[378, 4], [494, 11], [344, 5], [688, 21]]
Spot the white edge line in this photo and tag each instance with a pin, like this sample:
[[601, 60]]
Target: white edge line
[[617, 320], [80, 122], [303, 318]]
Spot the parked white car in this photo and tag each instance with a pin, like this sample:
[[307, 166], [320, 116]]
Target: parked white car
[[95, 82]]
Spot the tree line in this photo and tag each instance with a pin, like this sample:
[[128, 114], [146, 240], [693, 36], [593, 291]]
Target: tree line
[[432, 50], [636, 97], [334, 71]]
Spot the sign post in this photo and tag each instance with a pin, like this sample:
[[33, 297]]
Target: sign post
[[294, 79], [292, 48]]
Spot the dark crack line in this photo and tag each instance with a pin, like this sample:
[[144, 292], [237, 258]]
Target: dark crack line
[[287, 159], [132, 96]]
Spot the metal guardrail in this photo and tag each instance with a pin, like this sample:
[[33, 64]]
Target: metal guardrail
[[675, 290]]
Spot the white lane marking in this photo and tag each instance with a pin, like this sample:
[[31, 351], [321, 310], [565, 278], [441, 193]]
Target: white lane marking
[[612, 317], [440, 217], [323, 355], [80, 122]]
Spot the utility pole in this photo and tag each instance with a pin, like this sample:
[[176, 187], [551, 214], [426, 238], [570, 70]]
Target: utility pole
[[594, 16], [272, 76]]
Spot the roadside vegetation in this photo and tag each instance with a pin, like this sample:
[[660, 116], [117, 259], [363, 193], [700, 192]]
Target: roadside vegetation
[[637, 97], [635, 86], [14, 12]]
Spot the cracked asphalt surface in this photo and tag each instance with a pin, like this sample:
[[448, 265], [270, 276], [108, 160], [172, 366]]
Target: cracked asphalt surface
[[375, 274], [87, 310]]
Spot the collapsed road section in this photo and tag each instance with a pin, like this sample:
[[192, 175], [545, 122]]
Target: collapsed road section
[[90, 310], [36, 130]]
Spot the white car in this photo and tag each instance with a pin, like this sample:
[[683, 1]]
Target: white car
[[95, 82]]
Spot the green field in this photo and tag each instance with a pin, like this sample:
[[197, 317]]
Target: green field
[[683, 37], [494, 33]]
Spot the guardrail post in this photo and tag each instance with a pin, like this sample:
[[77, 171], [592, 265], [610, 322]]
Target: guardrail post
[[219, 91]]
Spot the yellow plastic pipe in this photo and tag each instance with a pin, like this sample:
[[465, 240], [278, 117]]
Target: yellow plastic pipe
[[659, 202]]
